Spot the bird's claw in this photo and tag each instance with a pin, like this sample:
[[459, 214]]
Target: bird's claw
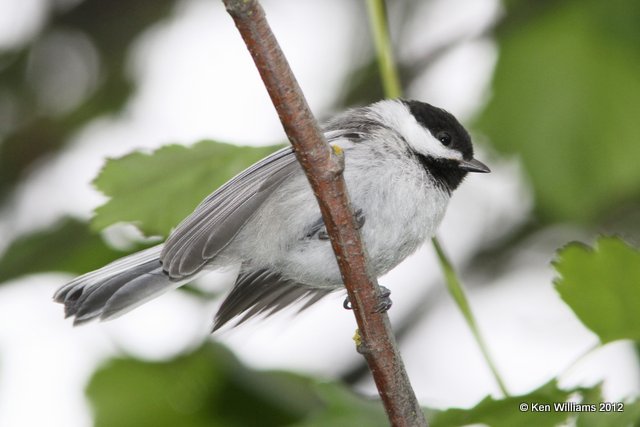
[[358, 216], [384, 302]]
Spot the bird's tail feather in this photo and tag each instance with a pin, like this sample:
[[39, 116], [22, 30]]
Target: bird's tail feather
[[116, 288]]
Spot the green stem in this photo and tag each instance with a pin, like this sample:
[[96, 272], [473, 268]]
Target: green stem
[[457, 292], [384, 51], [393, 89]]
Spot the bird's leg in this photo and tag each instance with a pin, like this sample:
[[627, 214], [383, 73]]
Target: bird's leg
[[359, 218], [384, 302]]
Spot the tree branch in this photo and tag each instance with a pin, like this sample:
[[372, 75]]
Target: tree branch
[[323, 167]]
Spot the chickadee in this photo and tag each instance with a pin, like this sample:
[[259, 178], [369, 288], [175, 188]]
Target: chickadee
[[403, 159]]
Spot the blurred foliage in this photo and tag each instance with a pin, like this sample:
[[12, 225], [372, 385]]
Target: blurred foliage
[[629, 416], [68, 246], [105, 29], [342, 408], [156, 191], [209, 387], [362, 85], [602, 287], [506, 412], [565, 101]]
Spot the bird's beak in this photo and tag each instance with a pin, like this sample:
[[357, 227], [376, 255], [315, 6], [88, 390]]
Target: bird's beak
[[474, 165]]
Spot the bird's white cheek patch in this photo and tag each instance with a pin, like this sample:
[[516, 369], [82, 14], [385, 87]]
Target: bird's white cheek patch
[[399, 117], [424, 143]]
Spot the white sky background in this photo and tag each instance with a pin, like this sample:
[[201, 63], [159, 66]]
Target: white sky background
[[196, 80]]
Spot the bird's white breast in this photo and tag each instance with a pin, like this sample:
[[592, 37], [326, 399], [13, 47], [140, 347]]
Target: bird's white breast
[[405, 209]]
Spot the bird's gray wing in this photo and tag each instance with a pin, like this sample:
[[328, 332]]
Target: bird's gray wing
[[264, 292], [219, 218]]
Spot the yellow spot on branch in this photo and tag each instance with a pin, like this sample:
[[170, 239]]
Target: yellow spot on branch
[[357, 338]]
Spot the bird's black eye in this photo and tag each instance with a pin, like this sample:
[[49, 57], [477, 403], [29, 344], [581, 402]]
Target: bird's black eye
[[444, 137]]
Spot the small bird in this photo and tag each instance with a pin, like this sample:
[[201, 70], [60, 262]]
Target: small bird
[[403, 159]]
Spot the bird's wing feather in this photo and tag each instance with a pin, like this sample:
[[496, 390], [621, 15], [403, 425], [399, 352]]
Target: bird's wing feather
[[264, 292], [219, 218]]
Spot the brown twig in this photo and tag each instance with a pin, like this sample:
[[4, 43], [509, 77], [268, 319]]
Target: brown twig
[[323, 167]]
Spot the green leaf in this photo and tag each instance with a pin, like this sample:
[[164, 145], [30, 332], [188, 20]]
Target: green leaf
[[156, 191], [602, 287], [546, 406], [564, 100], [208, 388], [507, 412], [343, 408], [602, 413], [68, 246]]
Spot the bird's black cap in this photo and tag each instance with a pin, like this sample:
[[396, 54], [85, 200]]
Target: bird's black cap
[[437, 120]]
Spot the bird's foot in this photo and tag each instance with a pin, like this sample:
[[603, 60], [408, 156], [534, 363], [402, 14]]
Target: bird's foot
[[383, 305], [359, 218], [346, 304], [384, 300]]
